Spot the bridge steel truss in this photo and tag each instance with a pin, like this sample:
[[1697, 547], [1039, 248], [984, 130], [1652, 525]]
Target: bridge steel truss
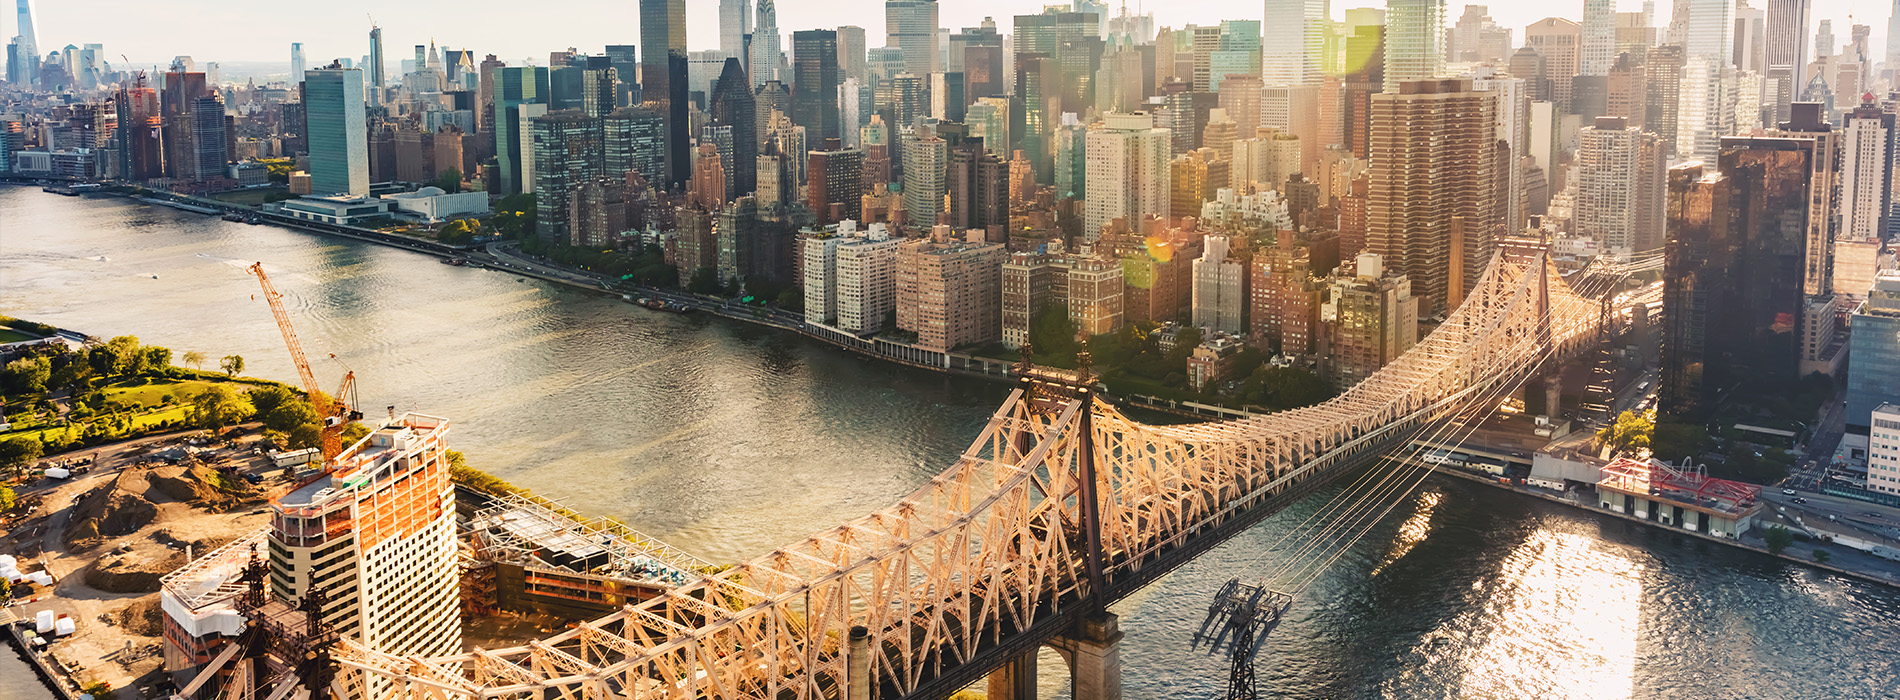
[[994, 556]]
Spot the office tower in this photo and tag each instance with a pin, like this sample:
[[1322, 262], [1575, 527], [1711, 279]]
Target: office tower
[[1414, 44], [1824, 41], [949, 293], [1121, 82], [926, 157], [910, 26], [567, 153], [1737, 271], [1220, 134], [377, 73], [834, 182], [851, 54], [1708, 29], [26, 47], [1873, 378], [1127, 169], [139, 135], [1626, 93], [1237, 54], [1365, 58], [678, 157], [1194, 178], [662, 33], [765, 49], [815, 84], [1597, 37], [1893, 39], [337, 134], [1434, 204], [733, 106], [377, 533], [1070, 163], [178, 103], [1663, 75], [1475, 38], [1370, 318], [296, 62], [977, 186], [1620, 187], [1750, 52], [1219, 288], [517, 87], [1558, 42], [1294, 47], [735, 22]]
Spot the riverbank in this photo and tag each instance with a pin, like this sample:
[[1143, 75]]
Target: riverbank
[[1883, 578]]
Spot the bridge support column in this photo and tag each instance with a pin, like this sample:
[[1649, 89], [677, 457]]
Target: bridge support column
[[858, 665], [1097, 660], [1016, 680]]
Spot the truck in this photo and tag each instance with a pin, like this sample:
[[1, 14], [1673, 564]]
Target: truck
[[291, 458]]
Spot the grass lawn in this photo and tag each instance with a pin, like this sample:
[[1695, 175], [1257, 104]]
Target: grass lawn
[[8, 335], [150, 393], [252, 197]]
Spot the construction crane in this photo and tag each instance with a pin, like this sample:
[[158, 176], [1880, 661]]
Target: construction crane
[[333, 409]]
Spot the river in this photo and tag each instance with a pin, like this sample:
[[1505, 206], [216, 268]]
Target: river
[[726, 440]]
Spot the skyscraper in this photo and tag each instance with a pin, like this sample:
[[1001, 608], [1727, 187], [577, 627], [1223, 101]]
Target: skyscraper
[[733, 106], [1415, 41], [910, 26], [765, 51], [516, 86], [1559, 42], [1127, 172], [337, 138], [662, 32], [926, 162], [1620, 186], [375, 67], [27, 50], [1435, 203], [1293, 49], [567, 153], [735, 21], [815, 78], [851, 54], [1598, 47], [296, 62]]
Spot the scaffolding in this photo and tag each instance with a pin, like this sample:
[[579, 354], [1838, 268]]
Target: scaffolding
[[532, 533]]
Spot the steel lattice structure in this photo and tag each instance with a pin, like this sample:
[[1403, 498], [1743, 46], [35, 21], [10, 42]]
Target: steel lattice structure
[[996, 549]]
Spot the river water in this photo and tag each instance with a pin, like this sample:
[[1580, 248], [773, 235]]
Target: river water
[[726, 440]]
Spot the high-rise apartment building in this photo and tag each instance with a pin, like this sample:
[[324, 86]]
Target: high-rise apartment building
[[1127, 171], [1414, 41], [1088, 289], [1369, 319], [1436, 195], [834, 182], [1867, 152], [1219, 288], [1620, 187], [977, 187], [140, 132], [910, 26], [337, 136], [1194, 178], [949, 293], [926, 162]]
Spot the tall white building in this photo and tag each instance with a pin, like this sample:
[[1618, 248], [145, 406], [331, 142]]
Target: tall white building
[[1127, 171], [926, 167], [1883, 450], [867, 281], [1599, 37], [1620, 186], [765, 49], [1867, 159], [735, 21], [1293, 47], [1220, 289], [296, 62], [1415, 41], [1514, 130]]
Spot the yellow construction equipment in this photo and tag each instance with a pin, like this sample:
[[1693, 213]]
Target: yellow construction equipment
[[333, 409]]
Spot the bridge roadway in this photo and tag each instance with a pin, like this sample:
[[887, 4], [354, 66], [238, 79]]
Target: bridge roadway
[[1061, 506]]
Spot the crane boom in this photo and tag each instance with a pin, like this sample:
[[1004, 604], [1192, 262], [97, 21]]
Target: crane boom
[[304, 373]]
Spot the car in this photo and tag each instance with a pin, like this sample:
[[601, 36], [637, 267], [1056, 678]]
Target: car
[[1788, 492], [1800, 500], [1871, 514]]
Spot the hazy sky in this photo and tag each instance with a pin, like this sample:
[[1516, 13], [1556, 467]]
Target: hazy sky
[[250, 30]]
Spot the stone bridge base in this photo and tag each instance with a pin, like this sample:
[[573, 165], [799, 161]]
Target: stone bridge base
[[1093, 653]]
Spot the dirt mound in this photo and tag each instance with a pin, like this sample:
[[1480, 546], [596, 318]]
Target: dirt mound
[[116, 509], [135, 571], [142, 617], [203, 487]]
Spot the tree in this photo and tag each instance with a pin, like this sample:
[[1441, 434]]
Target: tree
[[267, 399], [1821, 555], [1053, 334], [75, 377], [7, 501], [195, 359], [792, 300], [1674, 441], [295, 419], [216, 407], [449, 180], [124, 354], [1630, 432], [705, 281], [156, 358], [27, 375], [232, 365], [17, 453], [1778, 539]]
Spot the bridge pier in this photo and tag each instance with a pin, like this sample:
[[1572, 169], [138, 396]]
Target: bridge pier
[[1095, 657], [1016, 680]]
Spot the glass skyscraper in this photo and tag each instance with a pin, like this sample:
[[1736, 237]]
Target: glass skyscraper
[[338, 139], [1873, 372]]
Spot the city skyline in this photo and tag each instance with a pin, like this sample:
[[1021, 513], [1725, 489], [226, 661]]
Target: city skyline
[[235, 29]]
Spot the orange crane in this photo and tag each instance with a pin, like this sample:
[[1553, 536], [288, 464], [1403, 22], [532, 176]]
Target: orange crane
[[336, 414]]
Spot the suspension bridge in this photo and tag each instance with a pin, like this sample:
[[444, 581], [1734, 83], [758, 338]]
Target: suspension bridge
[[1060, 507]]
